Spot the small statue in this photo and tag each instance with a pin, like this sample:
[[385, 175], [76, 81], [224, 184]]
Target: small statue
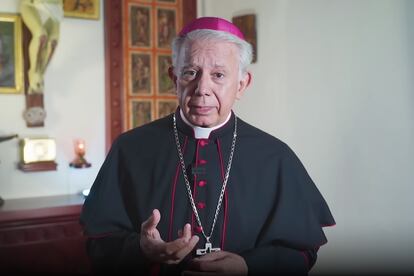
[[42, 17]]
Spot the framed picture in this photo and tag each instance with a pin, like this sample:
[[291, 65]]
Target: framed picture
[[87, 9], [11, 61], [165, 85], [140, 74], [166, 107], [166, 27], [140, 25], [141, 112]]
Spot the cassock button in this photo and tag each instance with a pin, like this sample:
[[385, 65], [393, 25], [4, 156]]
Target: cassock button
[[202, 162], [201, 205], [203, 142], [197, 229], [202, 183]]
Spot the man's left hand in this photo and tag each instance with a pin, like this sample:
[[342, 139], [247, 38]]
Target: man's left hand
[[217, 263]]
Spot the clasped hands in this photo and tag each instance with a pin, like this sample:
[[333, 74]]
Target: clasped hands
[[157, 250]]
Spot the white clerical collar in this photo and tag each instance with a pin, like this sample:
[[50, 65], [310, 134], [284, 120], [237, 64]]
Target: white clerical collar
[[202, 132]]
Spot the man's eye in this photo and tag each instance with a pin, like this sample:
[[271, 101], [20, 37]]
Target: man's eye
[[189, 73], [219, 75]]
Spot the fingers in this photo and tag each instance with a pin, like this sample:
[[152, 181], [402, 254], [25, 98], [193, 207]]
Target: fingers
[[212, 262], [152, 222], [213, 256], [220, 262], [185, 250], [176, 250], [208, 266], [186, 233], [167, 252]]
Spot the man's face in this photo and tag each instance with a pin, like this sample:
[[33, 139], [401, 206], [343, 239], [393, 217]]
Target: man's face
[[208, 81]]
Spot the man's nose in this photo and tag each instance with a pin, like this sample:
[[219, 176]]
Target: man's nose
[[203, 85]]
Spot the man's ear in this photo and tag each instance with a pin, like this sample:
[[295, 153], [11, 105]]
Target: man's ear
[[244, 82], [172, 76]]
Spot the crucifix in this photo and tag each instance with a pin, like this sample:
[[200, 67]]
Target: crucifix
[[207, 249], [40, 36]]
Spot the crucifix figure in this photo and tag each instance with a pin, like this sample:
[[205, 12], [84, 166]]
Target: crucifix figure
[[42, 19], [207, 249]]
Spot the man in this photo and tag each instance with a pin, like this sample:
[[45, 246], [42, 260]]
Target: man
[[201, 191]]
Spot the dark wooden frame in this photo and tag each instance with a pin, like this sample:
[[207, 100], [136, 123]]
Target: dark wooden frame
[[114, 85]]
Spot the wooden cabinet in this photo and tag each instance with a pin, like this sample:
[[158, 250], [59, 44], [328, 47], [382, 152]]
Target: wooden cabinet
[[42, 235]]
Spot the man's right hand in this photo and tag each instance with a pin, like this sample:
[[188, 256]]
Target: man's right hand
[[157, 250]]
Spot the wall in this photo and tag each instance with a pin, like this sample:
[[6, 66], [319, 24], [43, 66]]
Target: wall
[[74, 100], [334, 80]]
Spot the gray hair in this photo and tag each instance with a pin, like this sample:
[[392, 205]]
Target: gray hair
[[245, 49]]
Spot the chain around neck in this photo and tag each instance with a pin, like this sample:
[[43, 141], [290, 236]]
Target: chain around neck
[[187, 182]]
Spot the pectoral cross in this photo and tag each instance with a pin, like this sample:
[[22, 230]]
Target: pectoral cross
[[207, 249]]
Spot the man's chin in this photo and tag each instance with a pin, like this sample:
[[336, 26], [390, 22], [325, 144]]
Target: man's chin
[[202, 121]]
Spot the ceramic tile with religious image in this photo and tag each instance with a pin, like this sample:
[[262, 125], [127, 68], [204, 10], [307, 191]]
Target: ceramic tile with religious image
[[87, 9], [164, 83], [140, 74], [140, 25], [247, 24], [141, 112], [166, 26], [166, 107], [11, 58]]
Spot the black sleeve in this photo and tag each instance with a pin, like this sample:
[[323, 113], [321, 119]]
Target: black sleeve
[[113, 240], [276, 259], [289, 240], [117, 253]]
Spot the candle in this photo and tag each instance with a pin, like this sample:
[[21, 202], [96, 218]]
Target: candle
[[80, 147]]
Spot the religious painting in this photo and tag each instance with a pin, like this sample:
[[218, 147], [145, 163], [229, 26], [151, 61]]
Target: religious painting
[[166, 21], [141, 112], [11, 61], [87, 9], [140, 74], [140, 26], [165, 84], [247, 24], [166, 107]]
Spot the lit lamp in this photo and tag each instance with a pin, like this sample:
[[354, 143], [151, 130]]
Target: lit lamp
[[80, 161]]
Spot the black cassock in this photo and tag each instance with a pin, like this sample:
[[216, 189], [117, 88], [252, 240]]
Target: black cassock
[[272, 213]]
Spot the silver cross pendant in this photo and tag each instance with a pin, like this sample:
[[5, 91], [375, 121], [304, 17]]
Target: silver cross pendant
[[207, 249]]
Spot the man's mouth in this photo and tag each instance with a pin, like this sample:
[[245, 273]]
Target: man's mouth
[[200, 110]]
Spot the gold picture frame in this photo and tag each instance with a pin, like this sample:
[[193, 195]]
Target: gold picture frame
[[140, 74], [140, 29], [11, 55], [165, 85], [86, 9], [141, 111]]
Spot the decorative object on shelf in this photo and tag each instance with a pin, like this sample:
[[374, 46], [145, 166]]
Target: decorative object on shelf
[[247, 24], [37, 154], [80, 161], [87, 9], [11, 61]]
